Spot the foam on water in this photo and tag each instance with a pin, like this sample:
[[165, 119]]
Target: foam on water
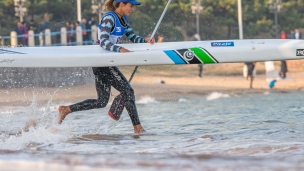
[[35, 138], [216, 95], [146, 100], [182, 100], [11, 109]]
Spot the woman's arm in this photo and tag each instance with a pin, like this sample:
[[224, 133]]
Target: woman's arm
[[137, 39], [133, 37], [107, 26]]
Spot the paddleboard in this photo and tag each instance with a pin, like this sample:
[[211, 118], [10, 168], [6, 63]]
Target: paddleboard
[[168, 53]]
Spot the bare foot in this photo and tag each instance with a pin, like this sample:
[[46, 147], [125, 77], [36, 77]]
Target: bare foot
[[138, 129], [63, 111]]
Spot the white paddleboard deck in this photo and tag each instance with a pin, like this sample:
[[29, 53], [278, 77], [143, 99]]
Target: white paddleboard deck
[[169, 53]]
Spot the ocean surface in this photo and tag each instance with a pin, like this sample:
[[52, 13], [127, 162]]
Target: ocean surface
[[215, 132]]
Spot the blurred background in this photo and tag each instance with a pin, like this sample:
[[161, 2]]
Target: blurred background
[[42, 22], [198, 117], [218, 19]]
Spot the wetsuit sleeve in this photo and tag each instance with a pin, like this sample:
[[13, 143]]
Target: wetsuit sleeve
[[107, 25], [133, 37]]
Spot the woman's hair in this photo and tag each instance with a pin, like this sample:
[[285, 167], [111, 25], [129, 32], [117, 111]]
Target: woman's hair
[[111, 5]]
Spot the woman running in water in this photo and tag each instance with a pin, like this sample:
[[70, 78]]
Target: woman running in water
[[112, 27]]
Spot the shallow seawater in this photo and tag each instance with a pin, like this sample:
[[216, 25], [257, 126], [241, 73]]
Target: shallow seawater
[[220, 132]]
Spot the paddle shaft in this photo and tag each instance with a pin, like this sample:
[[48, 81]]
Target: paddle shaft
[[153, 33], [160, 19], [133, 73]]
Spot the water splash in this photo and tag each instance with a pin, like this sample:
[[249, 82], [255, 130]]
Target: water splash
[[106, 126], [40, 128], [40, 116]]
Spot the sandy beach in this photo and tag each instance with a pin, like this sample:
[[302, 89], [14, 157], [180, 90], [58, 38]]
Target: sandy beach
[[178, 82]]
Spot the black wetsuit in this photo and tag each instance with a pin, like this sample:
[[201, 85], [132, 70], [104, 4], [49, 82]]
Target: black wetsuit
[[105, 77]]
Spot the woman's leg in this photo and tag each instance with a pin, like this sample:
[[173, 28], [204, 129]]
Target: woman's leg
[[103, 91], [120, 83], [103, 88]]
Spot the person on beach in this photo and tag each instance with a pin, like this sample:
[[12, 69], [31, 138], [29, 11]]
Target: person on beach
[[272, 84], [250, 72], [283, 70], [112, 27]]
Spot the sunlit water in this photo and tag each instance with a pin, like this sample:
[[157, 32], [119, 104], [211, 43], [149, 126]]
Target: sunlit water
[[216, 132]]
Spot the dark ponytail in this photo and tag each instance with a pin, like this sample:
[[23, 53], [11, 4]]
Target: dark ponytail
[[111, 5]]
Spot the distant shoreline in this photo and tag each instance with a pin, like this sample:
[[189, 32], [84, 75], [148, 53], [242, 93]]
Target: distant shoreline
[[172, 89]]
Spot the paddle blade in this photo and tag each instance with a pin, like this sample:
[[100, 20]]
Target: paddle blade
[[116, 108]]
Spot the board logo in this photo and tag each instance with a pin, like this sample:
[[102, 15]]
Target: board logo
[[300, 52], [222, 44], [188, 55]]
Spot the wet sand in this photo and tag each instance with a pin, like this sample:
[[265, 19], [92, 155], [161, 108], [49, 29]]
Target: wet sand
[[169, 82], [172, 88]]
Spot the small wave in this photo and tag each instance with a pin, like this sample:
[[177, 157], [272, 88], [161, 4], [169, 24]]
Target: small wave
[[266, 92], [216, 95], [16, 164], [215, 137], [273, 121], [146, 100], [35, 137], [262, 149], [182, 100]]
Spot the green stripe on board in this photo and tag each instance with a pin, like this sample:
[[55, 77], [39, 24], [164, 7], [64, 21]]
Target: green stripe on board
[[203, 56]]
